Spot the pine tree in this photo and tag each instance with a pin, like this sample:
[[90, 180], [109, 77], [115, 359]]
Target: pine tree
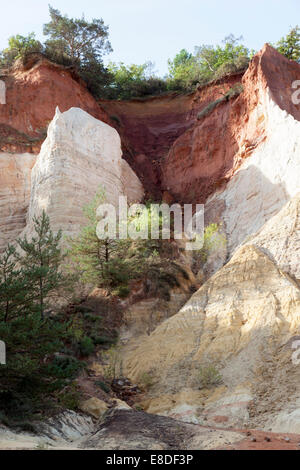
[[41, 260], [15, 292], [98, 261]]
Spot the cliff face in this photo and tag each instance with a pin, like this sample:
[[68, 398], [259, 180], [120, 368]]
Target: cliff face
[[29, 98], [243, 159], [15, 176], [264, 179]]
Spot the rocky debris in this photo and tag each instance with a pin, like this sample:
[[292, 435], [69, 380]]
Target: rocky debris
[[94, 407], [261, 441], [125, 390], [128, 430], [68, 426], [124, 430]]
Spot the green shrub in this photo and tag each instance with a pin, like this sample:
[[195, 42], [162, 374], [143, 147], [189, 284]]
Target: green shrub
[[102, 340], [123, 292], [65, 367], [209, 108], [146, 380], [208, 376], [70, 398], [86, 346], [102, 385]]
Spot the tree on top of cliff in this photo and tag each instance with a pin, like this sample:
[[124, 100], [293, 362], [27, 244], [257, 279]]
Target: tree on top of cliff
[[81, 44], [208, 63], [75, 41], [289, 45], [18, 47]]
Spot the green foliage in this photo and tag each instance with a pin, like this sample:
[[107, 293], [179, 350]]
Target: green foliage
[[208, 63], [19, 47], [86, 346], [69, 398], [289, 45], [66, 367], [132, 81], [122, 291], [146, 381], [27, 378], [99, 262], [208, 377], [102, 340], [212, 240], [107, 262], [29, 278], [75, 41], [15, 288], [209, 108], [102, 385], [40, 261], [81, 44], [183, 71]]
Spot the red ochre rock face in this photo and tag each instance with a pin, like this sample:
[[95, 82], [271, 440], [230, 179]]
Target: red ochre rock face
[[208, 154], [32, 96], [149, 128]]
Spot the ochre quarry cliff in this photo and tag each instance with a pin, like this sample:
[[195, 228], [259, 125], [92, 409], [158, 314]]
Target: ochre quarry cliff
[[233, 145]]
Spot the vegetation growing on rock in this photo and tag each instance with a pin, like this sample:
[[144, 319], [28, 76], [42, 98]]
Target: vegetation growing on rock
[[81, 45]]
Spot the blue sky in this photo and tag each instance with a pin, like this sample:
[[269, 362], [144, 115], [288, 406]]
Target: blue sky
[[142, 30]]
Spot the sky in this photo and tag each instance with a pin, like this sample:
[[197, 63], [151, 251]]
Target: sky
[[155, 30]]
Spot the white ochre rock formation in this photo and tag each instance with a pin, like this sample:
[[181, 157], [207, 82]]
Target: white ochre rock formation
[[79, 155], [280, 238], [2, 92], [15, 172]]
